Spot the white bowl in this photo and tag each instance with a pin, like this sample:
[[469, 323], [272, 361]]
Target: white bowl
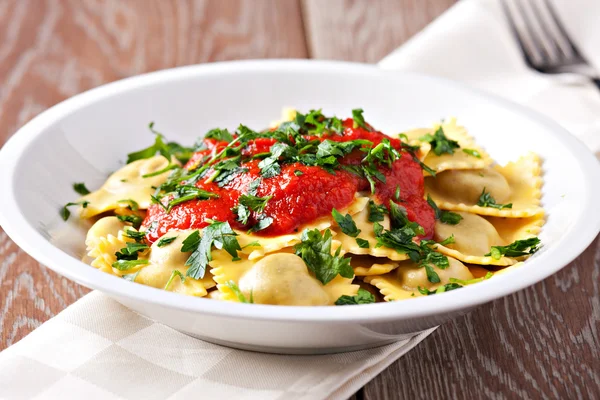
[[86, 137]]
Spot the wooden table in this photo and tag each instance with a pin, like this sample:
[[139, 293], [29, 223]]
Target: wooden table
[[542, 342]]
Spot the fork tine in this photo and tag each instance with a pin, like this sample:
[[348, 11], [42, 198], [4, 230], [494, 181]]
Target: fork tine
[[561, 36], [519, 27], [547, 32]]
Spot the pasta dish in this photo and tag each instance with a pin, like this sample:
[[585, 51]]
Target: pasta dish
[[315, 210]]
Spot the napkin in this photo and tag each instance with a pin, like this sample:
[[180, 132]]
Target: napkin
[[97, 348]]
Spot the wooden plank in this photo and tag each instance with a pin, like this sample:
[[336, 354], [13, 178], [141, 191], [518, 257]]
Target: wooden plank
[[361, 30], [54, 49]]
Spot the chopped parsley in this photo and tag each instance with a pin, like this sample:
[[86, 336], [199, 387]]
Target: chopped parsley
[[218, 235], [346, 223], [134, 220], [453, 285], [517, 248], [472, 152], [359, 120], [131, 204], [165, 241], [424, 167], [130, 251], [125, 265], [376, 212], [255, 203], [238, 293], [131, 277], [173, 275], [263, 222], [362, 243], [315, 250], [65, 213], [167, 150], [221, 135], [298, 172], [446, 217], [362, 297], [80, 188], [135, 235], [440, 144], [444, 288], [486, 200]]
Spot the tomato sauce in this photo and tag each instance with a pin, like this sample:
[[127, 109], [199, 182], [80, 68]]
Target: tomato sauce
[[300, 193]]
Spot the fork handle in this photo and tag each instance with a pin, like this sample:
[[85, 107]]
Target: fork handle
[[596, 82]]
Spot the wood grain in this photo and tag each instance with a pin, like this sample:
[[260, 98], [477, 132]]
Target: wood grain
[[542, 342], [359, 30], [54, 49]]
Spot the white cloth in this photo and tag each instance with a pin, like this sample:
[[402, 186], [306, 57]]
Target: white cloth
[[97, 348], [472, 42]]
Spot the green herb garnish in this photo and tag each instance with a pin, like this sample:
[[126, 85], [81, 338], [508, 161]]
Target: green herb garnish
[[362, 297], [359, 120], [346, 223], [446, 217], [376, 212], [362, 243], [217, 234], [80, 188], [486, 200], [238, 293], [65, 213], [440, 144], [517, 248], [134, 220], [315, 250], [124, 265], [173, 275], [472, 152], [165, 241]]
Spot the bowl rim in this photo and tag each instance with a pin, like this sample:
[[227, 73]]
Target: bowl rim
[[586, 224]]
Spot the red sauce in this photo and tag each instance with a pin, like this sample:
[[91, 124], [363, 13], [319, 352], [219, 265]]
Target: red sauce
[[296, 199]]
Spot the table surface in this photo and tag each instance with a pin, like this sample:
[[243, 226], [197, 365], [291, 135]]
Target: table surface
[[542, 342]]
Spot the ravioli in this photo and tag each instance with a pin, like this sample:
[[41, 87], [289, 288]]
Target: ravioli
[[279, 279], [404, 281], [164, 260], [103, 240], [518, 183], [459, 159], [474, 236], [128, 183]]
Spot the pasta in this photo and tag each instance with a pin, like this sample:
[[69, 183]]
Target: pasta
[[314, 211]]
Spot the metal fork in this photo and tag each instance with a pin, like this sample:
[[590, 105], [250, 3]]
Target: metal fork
[[544, 42]]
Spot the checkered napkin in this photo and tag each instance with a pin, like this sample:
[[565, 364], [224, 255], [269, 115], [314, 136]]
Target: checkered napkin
[[98, 349]]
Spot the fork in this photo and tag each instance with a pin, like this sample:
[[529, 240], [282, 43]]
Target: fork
[[544, 42]]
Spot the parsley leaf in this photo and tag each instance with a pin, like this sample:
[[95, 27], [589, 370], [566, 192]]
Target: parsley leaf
[[124, 265], [255, 203], [376, 212], [263, 222], [362, 297], [65, 213], [446, 217], [130, 251], [445, 288], [362, 243], [346, 223], [173, 275], [131, 204], [159, 146], [488, 275], [440, 144], [238, 293], [315, 250], [423, 166], [134, 220], [486, 200], [165, 241], [135, 235], [517, 248], [218, 235], [359, 120], [221, 135], [472, 152], [80, 188]]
